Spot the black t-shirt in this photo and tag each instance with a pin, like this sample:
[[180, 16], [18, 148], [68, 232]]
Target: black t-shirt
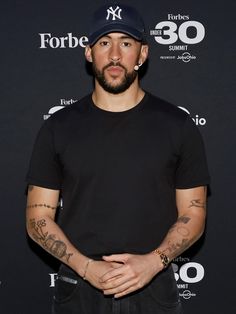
[[118, 171]]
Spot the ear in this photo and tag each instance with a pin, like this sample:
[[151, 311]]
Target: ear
[[88, 54], [143, 54]]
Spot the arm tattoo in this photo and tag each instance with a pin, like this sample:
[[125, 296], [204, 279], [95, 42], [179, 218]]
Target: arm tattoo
[[183, 231], [182, 219], [197, 203], [49, 241], [41, 205], [177, 247]]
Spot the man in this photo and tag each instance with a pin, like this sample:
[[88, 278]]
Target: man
[[132, 174]]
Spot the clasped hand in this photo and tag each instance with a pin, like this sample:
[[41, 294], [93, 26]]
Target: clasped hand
[[133, 273]]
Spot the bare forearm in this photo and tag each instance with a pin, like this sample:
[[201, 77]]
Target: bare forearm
[[187, 230], [42, 228], [191, 204], [44, 231]]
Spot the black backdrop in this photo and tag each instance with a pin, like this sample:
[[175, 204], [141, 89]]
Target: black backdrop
[[192, 67]]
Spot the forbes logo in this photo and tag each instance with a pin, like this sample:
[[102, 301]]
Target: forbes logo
[[69, 41]]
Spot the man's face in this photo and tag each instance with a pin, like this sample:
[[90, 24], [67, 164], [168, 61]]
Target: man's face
[[114, 57]]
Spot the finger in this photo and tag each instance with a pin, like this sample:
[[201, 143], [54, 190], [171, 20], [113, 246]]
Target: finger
[[120, 258], [115, 282], [125, 292], [111, 274], [116, 265], [121, 288]]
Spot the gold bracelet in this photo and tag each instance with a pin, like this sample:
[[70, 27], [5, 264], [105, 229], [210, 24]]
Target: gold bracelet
[[86, 268], [164, 258]]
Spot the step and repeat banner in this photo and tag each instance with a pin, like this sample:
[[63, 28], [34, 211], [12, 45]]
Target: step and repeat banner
[[43, 69]]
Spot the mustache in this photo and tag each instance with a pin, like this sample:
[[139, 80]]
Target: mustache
[[112, 63]]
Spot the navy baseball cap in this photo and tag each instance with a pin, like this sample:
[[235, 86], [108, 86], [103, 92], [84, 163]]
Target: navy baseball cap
[[116, 18]]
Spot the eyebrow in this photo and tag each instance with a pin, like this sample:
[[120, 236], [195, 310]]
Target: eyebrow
[[120, 37]]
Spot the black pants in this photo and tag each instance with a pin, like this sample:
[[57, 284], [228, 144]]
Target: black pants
[[73, 295]]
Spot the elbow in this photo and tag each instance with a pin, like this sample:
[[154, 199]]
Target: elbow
[[29, 230], [200, 234], [200, 230]]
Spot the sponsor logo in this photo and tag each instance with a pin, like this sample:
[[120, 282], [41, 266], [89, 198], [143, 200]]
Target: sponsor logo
[[47, 40], [198, 120], [177, 33], [113, 13], [63, 103], [181, 259], [186, 57], [178, 17], [187, 294], [187, 274]]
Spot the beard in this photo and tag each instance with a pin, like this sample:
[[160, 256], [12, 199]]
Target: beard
[[125, 83]]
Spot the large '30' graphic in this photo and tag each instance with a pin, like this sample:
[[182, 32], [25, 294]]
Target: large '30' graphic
[[170, 33]]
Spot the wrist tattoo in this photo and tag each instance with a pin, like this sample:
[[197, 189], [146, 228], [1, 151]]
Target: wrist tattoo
[[177, 247], [41, 205], [197, 203], [48, 241]]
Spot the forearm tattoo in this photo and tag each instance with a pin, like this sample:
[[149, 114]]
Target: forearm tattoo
[[183, 219], [180, 245], [48, 241], [177, 247], [41, 205], [177, 226], [197, 203]]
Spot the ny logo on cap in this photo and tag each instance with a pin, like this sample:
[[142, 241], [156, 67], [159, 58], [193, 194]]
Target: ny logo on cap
[[113, 12]]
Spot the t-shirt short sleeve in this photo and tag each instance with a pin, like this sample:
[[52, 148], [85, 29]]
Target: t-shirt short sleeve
[[192, 169], [44, 169]]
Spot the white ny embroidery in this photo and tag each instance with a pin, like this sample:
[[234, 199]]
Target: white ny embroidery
[[113, 12]]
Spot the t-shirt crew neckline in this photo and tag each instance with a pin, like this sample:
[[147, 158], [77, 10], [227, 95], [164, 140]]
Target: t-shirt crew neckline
[[136, 108]]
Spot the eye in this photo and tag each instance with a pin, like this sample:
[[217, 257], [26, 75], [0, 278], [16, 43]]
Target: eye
[[126, 44], [104, 43]]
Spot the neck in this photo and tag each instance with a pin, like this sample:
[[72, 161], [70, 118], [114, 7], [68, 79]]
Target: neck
[[117, 102]]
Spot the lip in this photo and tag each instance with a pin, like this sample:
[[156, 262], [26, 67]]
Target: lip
[[115, 69]]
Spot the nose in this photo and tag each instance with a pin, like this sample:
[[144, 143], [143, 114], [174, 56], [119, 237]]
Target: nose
[[115, 53]]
